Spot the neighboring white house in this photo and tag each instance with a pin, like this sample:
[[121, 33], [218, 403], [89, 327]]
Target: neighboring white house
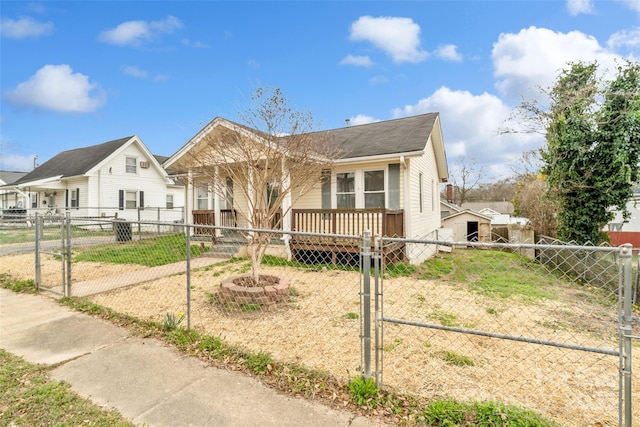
[[393, 166], [9, 198], [114, 178], [633, 222]]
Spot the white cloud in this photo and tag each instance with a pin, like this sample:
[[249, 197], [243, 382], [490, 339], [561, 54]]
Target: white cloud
[[361, 119], [449, 52], [194, 44], [359, 61], [378, 80], [576, 7], [532, 58], [471, 124], [134, 33], [398, 37], [132, 70], [24, 27], [633, 4], [16, 162], [58, 88], [625, 38]]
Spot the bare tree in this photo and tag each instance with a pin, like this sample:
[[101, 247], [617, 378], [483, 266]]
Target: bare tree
[[466, 177], [272, 160]]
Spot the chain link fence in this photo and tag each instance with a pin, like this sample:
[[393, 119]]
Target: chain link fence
[[539, 326]]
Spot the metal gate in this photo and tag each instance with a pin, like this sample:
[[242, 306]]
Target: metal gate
[[571, 355], [53, 252]]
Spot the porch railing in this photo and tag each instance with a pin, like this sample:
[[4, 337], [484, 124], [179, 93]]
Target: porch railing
[[382, 222], [207, 217]]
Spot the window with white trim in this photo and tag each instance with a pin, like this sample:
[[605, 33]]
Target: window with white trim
[[169, 201], [130, 199], [346, 190], [75, 202], [202, 196], [374, 189], [131, 165]]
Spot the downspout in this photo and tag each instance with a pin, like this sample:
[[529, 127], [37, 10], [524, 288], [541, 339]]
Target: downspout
[[99, 192]]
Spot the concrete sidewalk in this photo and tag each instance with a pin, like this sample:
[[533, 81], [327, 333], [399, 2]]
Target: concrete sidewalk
[[144, 380]]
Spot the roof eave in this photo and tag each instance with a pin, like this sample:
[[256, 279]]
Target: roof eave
[[378, 158]]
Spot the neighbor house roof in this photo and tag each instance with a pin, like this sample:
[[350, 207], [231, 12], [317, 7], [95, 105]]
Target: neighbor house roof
[[9, 177], [73, 162], [500, 207]]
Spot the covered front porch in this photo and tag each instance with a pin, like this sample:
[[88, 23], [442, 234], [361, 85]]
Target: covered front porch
[[308, 243]]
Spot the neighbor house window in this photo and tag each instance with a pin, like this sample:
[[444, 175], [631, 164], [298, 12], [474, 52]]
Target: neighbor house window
[[374, 189], [75, 196], [169, 201], [131, 165], [202, 196], [346, 190], [34, 200], [131, 199]]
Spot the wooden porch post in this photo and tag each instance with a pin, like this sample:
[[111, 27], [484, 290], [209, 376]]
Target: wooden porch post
[[216, 200], [286, 207], [188, 201]]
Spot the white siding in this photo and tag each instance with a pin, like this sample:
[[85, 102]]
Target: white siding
[[422, 224]]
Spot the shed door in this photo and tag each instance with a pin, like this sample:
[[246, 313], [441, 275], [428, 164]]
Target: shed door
[[472, 231]]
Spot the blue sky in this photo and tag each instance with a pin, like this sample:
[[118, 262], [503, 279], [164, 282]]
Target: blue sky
[[75, 74]]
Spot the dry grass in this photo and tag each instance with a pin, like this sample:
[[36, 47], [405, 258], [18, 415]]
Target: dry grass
[[319, 329]]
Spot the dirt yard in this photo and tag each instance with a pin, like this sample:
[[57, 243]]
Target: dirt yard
[[320, 328]]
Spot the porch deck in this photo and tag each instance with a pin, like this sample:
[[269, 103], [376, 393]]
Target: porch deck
[[380, 222], [308, 248]]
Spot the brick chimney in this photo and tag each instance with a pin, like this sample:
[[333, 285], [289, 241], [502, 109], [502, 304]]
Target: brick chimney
[[450, 193]]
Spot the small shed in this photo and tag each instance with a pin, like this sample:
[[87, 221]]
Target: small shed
[[469, 226]]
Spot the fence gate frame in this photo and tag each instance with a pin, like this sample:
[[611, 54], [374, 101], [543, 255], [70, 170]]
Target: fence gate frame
[[369, 258], [64, 254]]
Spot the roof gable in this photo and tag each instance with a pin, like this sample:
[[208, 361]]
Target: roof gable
[[404, 136], [74, 162]]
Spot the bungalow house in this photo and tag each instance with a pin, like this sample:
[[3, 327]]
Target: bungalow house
[[9, 198], [114, 178], [386, 180]]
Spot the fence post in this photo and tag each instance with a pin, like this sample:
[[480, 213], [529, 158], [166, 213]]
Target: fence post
[[365, 256], [37, 249], [626, 331], [67, 255], [188, 240], [377, 274]]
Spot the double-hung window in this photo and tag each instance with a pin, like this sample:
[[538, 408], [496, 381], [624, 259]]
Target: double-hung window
[[202, 195], [131, 199], [169, 199], [346, 190], [131, 165], [75, 196], [374, 189]]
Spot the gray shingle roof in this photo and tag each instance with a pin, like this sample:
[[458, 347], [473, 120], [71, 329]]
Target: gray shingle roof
[[396, 136], [74, 162], [9, 177]]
